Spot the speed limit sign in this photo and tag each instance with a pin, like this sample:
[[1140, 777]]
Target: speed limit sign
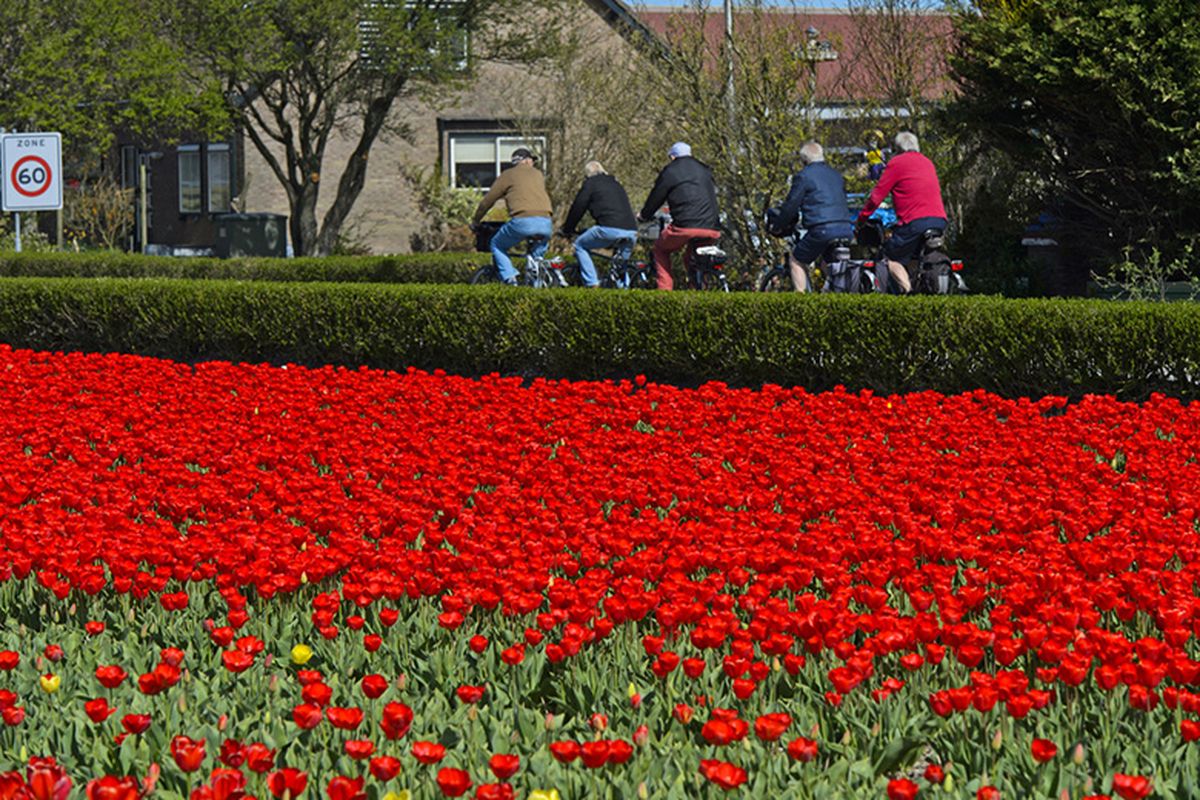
[[32, 171]]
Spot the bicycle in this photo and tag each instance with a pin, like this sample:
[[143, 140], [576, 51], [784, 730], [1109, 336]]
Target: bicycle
[[932, 271], [540, 271], [706, 266], [835, 271], [624, 272]]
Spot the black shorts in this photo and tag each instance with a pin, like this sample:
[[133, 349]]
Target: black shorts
[[813, 245], [906, 238]]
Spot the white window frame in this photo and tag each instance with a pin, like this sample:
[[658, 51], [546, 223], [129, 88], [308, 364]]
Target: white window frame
[[503, 142]]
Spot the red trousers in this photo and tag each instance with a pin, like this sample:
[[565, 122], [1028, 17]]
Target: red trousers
[[672, 239]]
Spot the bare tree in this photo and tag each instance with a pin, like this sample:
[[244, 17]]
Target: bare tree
[[894, 58], [297, 73]]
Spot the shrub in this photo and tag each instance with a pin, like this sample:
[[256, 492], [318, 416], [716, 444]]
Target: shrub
[[1014, 347], [417, 268]]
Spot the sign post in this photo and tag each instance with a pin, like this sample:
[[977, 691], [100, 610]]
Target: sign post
[[31, 167]]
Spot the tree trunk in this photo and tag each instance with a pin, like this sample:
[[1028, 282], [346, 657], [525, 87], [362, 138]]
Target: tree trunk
[[354, 175], [304, 221]]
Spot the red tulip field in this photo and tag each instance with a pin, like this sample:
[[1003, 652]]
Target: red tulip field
[[224, 581]]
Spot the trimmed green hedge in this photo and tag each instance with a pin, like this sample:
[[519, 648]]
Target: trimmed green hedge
[[1014, 347], [414, 268]]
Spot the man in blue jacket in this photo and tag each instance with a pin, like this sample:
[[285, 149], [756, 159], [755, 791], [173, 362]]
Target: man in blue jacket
[[817, 200]]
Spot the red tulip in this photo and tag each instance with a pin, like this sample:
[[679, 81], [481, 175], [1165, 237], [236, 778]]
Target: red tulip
[[384, 768], [259, 757], [1043, 750], [453, 782], [46, 780], [111, 676], [428, 752], [289, 781], [188, 753], [307, 716], [136, 724], [345, 718], [113, 788], [504, 766], [1131, 787], [901, 789], [237, 660], [470, 694], [227, 784], [770, 727], [98, 710], [495, 791], [727, 776], [359, 749], [802, 749], [564, 752], [343, 788], [396, 720], [374, 685], [594, 754]]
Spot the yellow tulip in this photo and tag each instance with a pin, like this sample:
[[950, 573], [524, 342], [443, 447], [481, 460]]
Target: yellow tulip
[[50, 683], [544, 794], [301, 653], [403, 794]]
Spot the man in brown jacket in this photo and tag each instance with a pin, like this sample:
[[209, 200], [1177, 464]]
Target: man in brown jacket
[[523, 189]]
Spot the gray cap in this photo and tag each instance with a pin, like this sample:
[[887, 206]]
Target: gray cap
[[679, 150]]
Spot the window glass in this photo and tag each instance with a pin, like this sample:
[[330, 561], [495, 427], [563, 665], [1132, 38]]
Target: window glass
[[220, 189], [476, 159], [473, 161], [189, 179]]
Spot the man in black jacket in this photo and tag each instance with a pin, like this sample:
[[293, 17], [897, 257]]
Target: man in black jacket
[[686, 186], [606, 200]]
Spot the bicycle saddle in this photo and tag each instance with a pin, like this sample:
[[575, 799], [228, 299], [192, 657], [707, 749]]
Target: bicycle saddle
[[934, 239]]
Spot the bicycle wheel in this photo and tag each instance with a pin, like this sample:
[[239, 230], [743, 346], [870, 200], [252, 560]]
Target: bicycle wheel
[[487, 274], [712, 281], [775, 279]]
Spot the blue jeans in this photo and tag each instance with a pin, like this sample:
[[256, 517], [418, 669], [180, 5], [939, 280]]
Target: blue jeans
[[512, 233], [595, 238]]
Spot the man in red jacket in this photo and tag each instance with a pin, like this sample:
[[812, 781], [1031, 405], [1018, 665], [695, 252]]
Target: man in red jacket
[[912, 181]]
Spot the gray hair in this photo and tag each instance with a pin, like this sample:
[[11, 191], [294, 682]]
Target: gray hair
[[812, 153], [906, 142], [592, 168]]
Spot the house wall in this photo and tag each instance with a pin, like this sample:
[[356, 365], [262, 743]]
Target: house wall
[[385, 216]]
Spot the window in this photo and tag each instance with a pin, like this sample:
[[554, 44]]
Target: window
[[439, 26], [205, 178], [190, 196], [477, 158], [220, 187]]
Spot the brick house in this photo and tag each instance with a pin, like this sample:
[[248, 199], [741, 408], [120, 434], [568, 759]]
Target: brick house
[[469, 137]]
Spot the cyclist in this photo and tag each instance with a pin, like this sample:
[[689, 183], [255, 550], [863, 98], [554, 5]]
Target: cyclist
[[686, 186], [912, 180], [818, 200], [523, 189], [606, 200]]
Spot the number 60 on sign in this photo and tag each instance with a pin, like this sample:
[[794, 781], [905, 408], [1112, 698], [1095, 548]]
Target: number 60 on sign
[[31, 165]]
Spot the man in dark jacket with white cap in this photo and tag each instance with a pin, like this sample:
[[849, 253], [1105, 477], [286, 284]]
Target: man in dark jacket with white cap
[[686, 186]]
